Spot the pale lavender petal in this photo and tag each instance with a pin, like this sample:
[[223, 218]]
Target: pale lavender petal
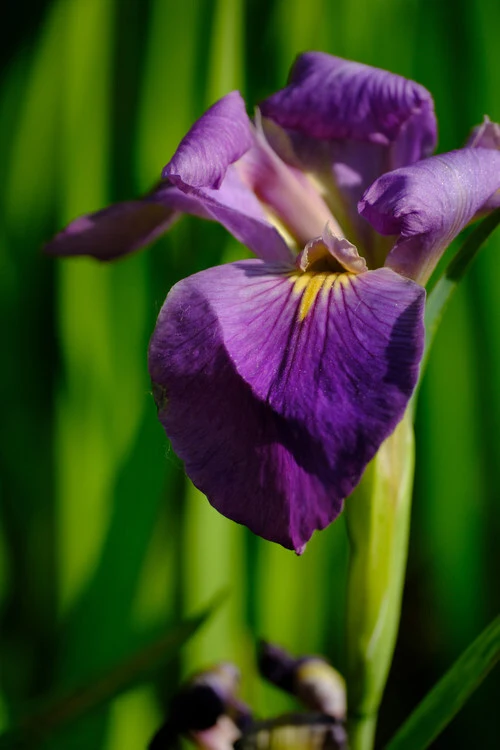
[[330, 252], [219, 138], [345, 252], [276, 388], [427, 204], [486, 135], [344, 170]]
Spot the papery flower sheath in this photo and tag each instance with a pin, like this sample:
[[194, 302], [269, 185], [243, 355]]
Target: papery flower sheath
[[277, 379]]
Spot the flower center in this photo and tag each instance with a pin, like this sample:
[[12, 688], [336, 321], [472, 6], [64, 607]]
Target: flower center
[[291, 201], [330, 252], [324, 262]]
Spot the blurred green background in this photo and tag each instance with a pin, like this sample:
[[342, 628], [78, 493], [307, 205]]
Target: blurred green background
[[103, 541]]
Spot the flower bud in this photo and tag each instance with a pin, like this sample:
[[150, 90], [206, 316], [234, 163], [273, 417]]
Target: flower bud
[[295, 732], [207, 710], [309, 678]]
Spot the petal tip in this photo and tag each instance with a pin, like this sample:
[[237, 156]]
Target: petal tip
[[218, 139]]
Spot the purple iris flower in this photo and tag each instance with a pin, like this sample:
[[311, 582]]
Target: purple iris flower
[[277, 379]]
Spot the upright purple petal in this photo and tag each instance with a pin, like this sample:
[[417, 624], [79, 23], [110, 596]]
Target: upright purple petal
[[427, 204], [276, 388], [219, 138], [329, 98], [349, 123]]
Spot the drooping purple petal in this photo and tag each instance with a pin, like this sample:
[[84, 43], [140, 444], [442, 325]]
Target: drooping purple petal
[[276, 388], [329, 98], [124, 227], [427, 204], [219, 138]]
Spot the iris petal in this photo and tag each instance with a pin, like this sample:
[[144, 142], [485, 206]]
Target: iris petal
[[204, 168], [236, 207], [333, 99], [347, 124], [219, 138], [124, 227], [206, 185], [276, 388], [427, 204], [487, 135]]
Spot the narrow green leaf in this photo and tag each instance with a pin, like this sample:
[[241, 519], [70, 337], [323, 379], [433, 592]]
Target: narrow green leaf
[[449, 695], [225, 69], [117, 679], [441, 294]]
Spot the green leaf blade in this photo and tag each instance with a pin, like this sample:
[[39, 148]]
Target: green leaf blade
[[446, 699], [136, 668]]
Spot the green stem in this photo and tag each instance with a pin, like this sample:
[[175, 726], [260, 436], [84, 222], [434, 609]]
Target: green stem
[[378, 520], [361, 730]]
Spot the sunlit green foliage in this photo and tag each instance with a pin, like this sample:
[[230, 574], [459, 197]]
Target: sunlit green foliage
[[102, 538]]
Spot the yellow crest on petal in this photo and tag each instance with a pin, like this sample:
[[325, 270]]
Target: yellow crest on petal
[[309, 284]]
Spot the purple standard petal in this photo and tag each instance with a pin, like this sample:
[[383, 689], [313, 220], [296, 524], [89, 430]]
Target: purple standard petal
[[333, 99], [219, 138], [124, 227], [427, 204], [347, 124], [277, 387]]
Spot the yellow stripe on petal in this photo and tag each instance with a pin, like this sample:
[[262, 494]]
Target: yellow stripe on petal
[[309, 284]]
